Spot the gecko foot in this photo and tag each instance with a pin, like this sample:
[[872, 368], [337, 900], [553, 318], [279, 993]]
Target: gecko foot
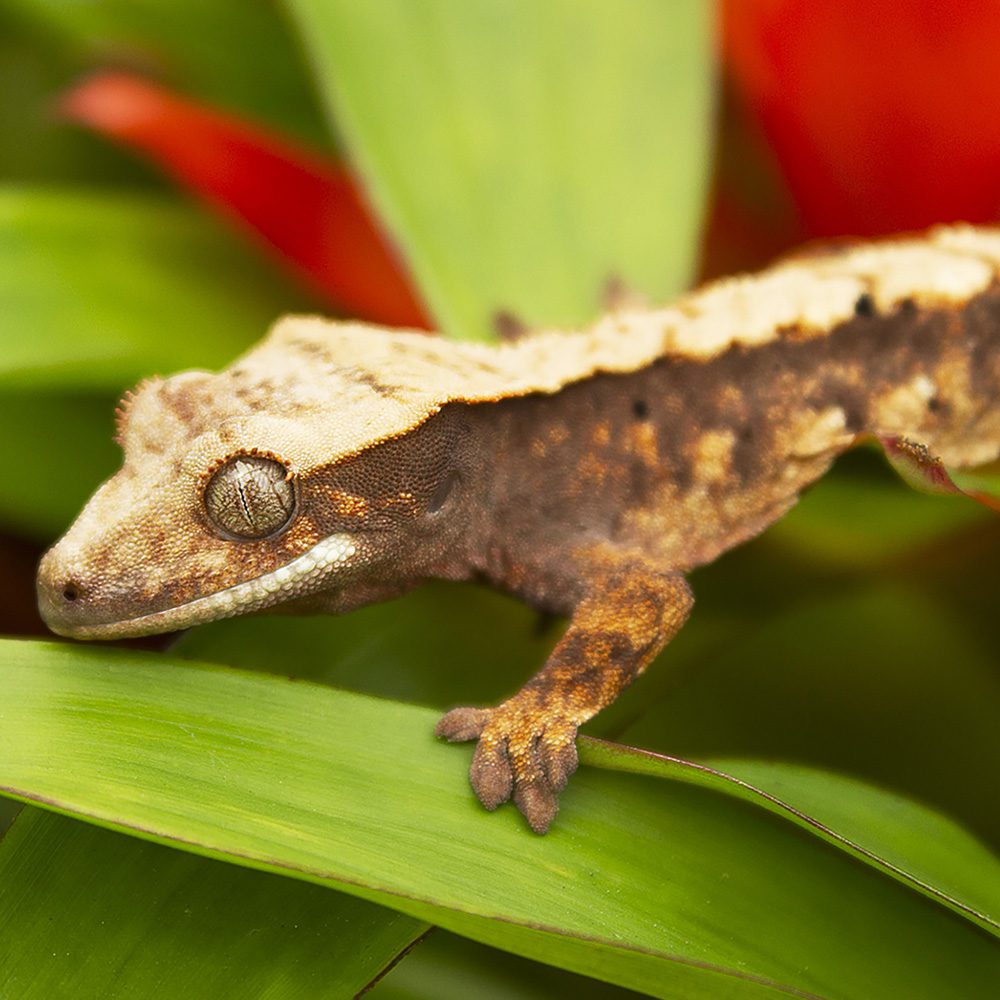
[[524, 753]]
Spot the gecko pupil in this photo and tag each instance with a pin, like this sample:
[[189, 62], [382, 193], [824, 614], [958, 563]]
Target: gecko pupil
[[250, 497]]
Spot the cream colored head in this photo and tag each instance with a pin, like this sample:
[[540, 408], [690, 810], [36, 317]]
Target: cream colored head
[[255, 486]]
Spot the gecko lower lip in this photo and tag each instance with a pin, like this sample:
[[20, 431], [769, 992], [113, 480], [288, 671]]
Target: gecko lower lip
[[296, 578]]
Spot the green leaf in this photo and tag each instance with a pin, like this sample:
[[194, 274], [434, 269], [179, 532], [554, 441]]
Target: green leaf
[[100, 290], [883, 829], [660, 886], [860, 517], [34, 68], [447, 967], [524, 153], [65, 440], [928, 847], [98, 914], [873, 678], [240, 56]]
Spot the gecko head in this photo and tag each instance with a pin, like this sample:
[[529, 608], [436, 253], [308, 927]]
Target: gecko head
[[242, 491]]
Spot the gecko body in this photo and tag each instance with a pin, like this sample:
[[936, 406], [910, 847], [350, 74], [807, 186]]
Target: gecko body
[[337, 464]]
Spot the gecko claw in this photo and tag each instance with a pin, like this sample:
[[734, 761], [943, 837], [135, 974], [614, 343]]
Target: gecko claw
[[538, 803], [522, 754]]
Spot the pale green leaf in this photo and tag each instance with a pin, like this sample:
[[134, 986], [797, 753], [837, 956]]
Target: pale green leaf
[[525, 154]]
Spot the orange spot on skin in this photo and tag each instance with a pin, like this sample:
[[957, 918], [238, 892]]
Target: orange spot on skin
[[601, 434], [713, 453], [592, 469], [642, 442], [349, 505]]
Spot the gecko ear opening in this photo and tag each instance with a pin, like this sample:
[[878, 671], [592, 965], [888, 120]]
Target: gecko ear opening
[[250, 497], [442, 493]]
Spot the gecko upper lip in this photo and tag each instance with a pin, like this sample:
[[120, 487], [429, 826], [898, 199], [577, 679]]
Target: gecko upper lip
[[82, 618]]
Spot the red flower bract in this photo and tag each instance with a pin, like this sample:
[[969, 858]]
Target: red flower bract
[[306, 209], [884, 116]]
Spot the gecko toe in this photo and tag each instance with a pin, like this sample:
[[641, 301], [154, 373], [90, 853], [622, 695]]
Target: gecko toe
[[521, 753], [462, 724], [491, 773], [559, 760], [538, 803]]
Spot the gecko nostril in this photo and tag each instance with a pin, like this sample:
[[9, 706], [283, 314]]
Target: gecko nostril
[[71, 591]]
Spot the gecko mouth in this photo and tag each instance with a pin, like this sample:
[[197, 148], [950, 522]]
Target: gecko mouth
[[66, 615]]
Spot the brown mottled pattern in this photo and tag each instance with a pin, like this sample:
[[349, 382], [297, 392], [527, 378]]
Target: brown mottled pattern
[[584, 471]]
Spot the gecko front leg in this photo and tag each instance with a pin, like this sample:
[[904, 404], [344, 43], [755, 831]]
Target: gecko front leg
[[527, 745]]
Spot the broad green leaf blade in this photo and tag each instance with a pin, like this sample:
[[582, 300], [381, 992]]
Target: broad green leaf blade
[[659, 886], [883, 829], [100, 290], [928, 847], [10, 809], [85, 912], [523, 153]]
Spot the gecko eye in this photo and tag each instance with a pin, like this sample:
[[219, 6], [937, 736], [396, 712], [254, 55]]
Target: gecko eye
[[250, 497]]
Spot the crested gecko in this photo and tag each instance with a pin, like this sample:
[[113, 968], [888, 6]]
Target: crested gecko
[[337, 464]]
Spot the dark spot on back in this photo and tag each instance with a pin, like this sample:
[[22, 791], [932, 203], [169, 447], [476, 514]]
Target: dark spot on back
[[939, 406], [640, 409], [855, 406], [374, 383], [508, 326], [616, 294], [308, 346], [746, 457], [864, 305]]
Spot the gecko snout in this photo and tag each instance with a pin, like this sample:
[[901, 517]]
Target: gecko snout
[[62, 595]]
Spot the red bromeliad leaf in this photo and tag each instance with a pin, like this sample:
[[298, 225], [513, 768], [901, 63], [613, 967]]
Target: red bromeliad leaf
[[883, 116], [306, 209], [927, 473]]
